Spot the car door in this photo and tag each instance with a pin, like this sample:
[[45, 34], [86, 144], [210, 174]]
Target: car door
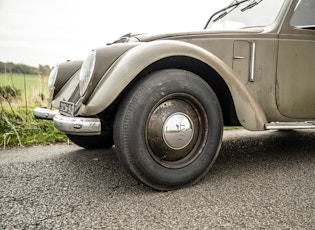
[[296, 63]]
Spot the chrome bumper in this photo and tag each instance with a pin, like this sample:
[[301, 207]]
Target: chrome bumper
[[43, 113], [81, 126]]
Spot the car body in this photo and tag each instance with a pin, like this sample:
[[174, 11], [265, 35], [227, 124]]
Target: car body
[[163, 99]]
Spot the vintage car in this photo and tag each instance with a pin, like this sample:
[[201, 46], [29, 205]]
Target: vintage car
[[163, 99]]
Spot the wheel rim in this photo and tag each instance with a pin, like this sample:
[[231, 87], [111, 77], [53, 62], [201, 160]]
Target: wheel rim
[[176, 130]]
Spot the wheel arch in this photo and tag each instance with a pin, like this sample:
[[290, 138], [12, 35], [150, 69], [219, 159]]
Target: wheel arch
[[204, 71], [237, 103]]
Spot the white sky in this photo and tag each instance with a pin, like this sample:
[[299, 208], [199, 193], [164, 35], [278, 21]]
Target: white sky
[[48, 32]]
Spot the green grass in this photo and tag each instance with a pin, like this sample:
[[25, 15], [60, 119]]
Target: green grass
[[34, 87], [232, 127], [18, 127]]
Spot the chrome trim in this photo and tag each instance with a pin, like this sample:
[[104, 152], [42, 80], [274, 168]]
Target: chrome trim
[[290, 125], [44, 113], [238, 57], [252, 61], [81, 126]]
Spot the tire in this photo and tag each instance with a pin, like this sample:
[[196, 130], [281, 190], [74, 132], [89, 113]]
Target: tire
[[168, 129], [93, 142]]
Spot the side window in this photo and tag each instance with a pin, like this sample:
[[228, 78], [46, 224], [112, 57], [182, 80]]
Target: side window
[[304, 16]]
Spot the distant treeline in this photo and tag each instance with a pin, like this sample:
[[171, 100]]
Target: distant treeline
[[10, 67]]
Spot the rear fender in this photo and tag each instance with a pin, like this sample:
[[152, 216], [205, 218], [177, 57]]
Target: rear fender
[[131, 63]]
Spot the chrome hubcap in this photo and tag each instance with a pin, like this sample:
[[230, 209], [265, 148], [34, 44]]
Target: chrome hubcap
[[178, 131]]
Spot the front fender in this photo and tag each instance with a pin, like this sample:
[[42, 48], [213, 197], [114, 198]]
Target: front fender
[[66, 70], [67, 79], [131, 63]]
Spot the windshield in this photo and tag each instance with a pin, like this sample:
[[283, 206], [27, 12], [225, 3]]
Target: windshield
[[244, 14]]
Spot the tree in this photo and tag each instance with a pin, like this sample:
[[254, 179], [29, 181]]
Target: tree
[[44, 70], [10, 67]]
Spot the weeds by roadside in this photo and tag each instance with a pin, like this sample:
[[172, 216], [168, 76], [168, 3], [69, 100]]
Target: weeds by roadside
[[18, 127]]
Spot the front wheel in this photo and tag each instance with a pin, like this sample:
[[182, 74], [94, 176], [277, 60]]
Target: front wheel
[[168, 130]]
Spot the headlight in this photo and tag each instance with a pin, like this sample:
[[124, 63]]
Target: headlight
[[52, 79], [86, 72]]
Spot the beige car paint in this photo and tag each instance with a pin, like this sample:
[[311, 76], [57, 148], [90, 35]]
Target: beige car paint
[[295, 72]]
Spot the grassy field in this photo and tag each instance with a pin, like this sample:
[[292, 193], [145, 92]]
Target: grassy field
[[31, 86], [17, 124]]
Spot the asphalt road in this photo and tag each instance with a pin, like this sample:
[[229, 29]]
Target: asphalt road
[[260, 180]]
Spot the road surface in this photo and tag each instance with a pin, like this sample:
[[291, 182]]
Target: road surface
[[260, 180]]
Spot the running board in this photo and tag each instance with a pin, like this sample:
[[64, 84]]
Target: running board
[[290, 125]]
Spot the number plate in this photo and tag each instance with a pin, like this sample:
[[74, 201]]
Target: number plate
[[66, 108]]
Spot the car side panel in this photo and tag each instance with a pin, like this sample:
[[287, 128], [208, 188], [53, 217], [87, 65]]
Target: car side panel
[[296, 61], [257, 73], [296, 77]]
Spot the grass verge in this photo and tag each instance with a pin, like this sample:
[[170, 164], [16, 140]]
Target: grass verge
[[19, 128]]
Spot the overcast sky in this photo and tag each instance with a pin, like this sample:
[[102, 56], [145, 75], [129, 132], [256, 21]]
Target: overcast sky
[[48, 32]]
